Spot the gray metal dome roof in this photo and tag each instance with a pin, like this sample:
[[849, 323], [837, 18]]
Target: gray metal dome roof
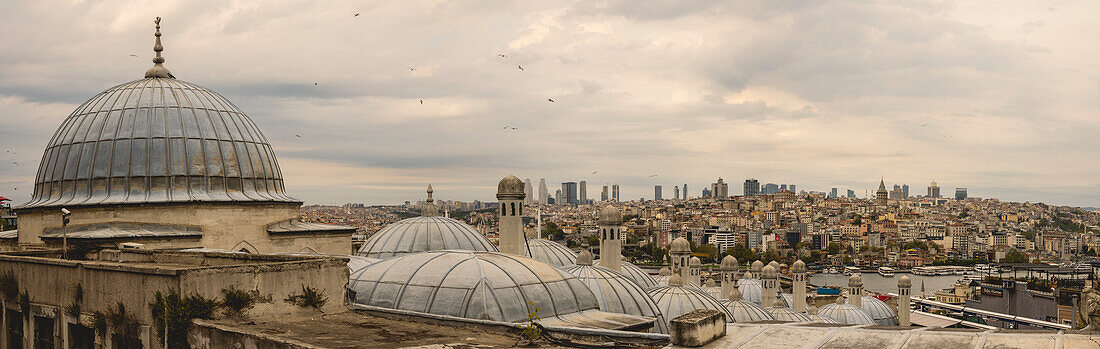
[[879, 311], [473, 285], [616, 293], [636, 274], [846, 314], [751, 290], [674, 301], [812, 312], [787, 314], [745, 311], [421, 234], [157, 140], [550, 252]]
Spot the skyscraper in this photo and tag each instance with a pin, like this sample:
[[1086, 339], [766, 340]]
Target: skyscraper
[[960, 194], [615, 192], [851, 193], [934, 190], [752, 187], [685, 191], [569, 193], [772, 188], [782, 187], [543, 192], [584, 193], [676, 191], [603, 194], [792, 189], [832, 193], [528, 190], [720, 189], [558, 198], [905, 191], [656, 192]]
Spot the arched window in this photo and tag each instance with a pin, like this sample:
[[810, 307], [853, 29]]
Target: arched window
[[504, 209], [513, 209]]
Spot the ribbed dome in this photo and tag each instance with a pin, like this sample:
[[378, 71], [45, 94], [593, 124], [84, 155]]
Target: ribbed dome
[[157, 140], [879, 311], [782, 313], [550, 252], [680, 245], [744, 311], [674, 301], [846, 314], [812, 312], [618, 294], [639, 276], [474, 285], [610, 216], [421, 234], [510, 188], [751, 290]]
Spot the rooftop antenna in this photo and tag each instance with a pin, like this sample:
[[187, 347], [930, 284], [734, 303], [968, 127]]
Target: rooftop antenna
[[158, 70]]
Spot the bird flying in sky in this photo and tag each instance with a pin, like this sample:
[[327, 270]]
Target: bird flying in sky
[[520, 67], [551, 100]]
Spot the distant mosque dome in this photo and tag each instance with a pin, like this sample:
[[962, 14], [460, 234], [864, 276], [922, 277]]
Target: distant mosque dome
[[422, 234], [550, 252], [879, 311], [662, 276], [751, 290], [781, 312], [616, 292], [846, 313], [636, 274], [745, 311], [473, 285], [157, 140], [675, 300], [812, 312]]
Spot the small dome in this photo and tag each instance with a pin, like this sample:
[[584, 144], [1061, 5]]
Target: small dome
[[769, 272], [664, 272], [616, 293], [632, 272], [751, 290], [798, 267], [846, 313], [774, 264], [756, 267], [473, 285], [729, 263], [855, 281], [783, 266], [881, 313], [904, 282], [745, 311], [610, 216], [675, 280], [694, 262], [781, 313], [584, 258], [674, 301], [812, 312], [510, 188], [680, 245], [710, 283], [550, 252], [421, 234]]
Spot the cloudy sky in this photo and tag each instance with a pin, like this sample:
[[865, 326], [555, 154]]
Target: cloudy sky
[[1001, 97]]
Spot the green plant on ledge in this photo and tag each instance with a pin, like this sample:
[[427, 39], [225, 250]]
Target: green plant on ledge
[[531, 331], [73, 309], [309, 298], [238, 301], [124, 326], [178, 312]]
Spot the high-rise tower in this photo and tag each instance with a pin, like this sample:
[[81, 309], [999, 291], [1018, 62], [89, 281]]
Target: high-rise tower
[[615, 192], [510, 195], [543, 192], [583, 199], [528, 190], [603, 194]]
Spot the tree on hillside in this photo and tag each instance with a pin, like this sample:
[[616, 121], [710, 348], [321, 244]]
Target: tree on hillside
[[1014, 256]]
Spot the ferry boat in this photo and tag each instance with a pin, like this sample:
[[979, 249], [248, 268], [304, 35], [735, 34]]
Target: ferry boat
[[983, 269], [886, 272], [851, 270], [831, 270]]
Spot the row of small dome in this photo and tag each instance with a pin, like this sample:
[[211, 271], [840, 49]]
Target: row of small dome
[[631, 292]]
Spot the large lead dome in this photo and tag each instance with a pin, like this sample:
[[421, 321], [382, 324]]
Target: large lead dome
[[157, 140]]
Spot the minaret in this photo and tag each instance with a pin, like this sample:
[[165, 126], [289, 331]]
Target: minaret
[[696, 267], [855, 290], [729, 275], [755, 269], [769, 280], [611, 225], [429, 205], [922, 290], [680, 251], [798, 276], [158, 70], [510, 193], [904, 286]]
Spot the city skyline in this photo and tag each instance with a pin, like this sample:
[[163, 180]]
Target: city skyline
[[1000, 99]]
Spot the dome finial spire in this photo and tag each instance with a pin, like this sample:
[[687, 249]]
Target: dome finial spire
[[158, 70], [429, 204]]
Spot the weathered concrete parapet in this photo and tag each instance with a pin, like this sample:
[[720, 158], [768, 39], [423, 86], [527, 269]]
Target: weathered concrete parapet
[[697, 328]]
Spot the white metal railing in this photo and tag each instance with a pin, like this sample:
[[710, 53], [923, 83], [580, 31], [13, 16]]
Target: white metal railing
[[996, 315]]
